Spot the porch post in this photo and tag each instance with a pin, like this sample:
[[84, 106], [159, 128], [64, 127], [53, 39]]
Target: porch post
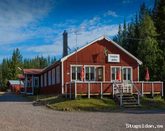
[[152, 89], [142, 88], [101, 90], [75, 89], [89, 90]]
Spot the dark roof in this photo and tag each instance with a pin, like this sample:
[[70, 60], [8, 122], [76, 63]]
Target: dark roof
[[32, 71]]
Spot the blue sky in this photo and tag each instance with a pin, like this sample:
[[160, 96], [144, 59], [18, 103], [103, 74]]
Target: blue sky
[[36, 26]]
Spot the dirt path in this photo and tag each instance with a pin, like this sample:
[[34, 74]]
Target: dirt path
[[17, 114]]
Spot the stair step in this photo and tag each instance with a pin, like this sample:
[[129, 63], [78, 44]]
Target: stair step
[[126, 98], [131, 106], [130, 103], [129, 100]]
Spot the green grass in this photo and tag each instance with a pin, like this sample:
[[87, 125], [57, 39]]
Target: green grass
[[153, 103], [83, 104], [94, 104]]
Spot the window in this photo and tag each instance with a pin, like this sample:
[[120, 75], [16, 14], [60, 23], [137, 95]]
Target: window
[[53, 76], [127, 73], [45, 79], [57, 74], [90, 73], [99, 73], [115, 71], [49, 78], [36, 81], [76, 73]]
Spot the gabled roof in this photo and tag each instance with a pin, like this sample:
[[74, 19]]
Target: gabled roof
[[16, 82], [106, 38], [32, 71]]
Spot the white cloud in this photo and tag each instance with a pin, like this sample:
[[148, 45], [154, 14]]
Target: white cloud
[[17, 17], [111, 13], [86, 32]]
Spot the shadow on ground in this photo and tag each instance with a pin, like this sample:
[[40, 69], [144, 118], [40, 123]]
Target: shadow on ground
[[11, 97]]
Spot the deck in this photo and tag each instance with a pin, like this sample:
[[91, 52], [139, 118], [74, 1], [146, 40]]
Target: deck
[[107, 88]]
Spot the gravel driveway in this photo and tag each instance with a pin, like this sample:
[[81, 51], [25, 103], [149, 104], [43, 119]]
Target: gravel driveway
[[17, 114]]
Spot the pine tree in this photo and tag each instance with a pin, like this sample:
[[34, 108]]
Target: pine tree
[[118, 38], [159, 19], [148, 46], [16, 62]]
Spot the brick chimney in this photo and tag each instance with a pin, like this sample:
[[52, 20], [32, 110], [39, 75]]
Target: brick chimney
[[65, 43]]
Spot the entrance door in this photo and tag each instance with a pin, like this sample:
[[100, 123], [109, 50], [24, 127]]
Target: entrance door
[[127, 78], [99, 73]]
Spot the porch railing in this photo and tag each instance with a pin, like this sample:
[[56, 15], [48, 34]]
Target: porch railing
[[139, 87]]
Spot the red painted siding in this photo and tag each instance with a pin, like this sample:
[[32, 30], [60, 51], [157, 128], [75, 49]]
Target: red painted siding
[[94, 55]]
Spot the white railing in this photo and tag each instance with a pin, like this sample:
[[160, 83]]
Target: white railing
[[152, 86], [73, 85], [88, 87], [119, 88]]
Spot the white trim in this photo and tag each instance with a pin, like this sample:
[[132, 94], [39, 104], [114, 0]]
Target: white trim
[[95, 66], [131, 71], [62, 77], [75, 72], [101, 38], [115, 74]]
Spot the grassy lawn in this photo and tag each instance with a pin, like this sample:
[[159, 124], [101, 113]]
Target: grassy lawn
[[83, 104], [94, 104], [153, 103]]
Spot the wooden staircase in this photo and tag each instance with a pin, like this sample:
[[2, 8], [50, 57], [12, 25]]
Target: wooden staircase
[[123, 93], [128, 100]]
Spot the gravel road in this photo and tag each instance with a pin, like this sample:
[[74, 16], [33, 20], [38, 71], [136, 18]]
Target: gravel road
[[17, 114]]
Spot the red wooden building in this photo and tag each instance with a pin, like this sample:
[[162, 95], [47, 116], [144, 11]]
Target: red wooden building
[[15, 85], [95, 69]]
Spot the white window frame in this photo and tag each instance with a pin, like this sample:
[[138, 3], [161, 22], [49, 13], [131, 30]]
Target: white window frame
[[89, 68], [95, 66], [115, 73], [76, 72], [127, 67]]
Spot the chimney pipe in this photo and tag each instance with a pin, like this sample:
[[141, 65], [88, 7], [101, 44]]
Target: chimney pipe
[[65, 43]]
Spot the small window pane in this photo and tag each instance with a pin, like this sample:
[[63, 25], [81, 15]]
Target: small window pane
[[79, 73], [92, 70], [87, 73], [129, 74], [73, 73]]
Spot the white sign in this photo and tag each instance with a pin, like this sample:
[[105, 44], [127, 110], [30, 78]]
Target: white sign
[[113, 58]]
